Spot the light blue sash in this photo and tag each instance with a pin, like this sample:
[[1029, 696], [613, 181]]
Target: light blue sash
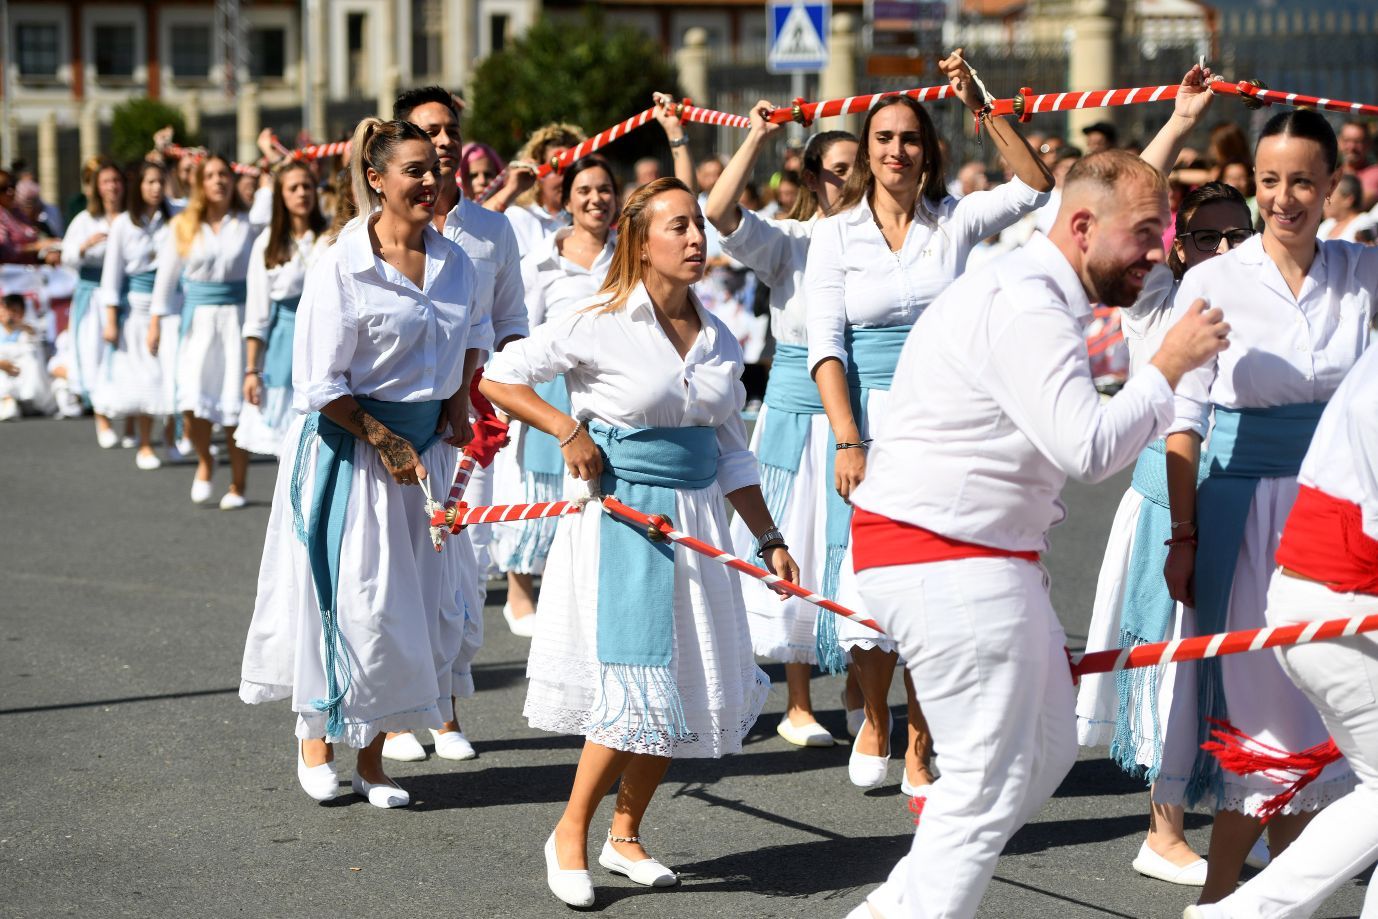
[[141, 283], [793, 401], [541, 452], [88, 282], [1246, 445], [872, 356], [324, 533], [196, 294], [643, 467], [1146, 612], [277, 360]]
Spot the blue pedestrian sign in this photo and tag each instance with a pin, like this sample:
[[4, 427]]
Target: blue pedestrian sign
[[798, 33]]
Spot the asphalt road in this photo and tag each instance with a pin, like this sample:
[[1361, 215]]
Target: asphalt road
[[135, 783]]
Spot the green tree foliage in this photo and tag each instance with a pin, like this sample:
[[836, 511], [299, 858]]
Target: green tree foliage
[[133, 124], [580, 71]]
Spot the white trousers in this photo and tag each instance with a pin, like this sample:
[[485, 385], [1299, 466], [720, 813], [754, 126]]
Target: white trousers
[[1340, 678], [986, 652]]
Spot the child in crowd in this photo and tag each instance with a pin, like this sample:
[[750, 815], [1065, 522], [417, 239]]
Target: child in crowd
[[24, 384]]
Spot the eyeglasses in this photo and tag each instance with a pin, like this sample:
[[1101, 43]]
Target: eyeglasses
[[1209, 240]]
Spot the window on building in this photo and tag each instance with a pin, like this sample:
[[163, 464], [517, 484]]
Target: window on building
[[191, 51], [36, 50], [268, 53], [497, 32], [114, 51], [356, 43], [427, 30]]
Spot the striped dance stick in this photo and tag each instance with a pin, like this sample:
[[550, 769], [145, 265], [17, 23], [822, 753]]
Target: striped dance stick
[[1258, 93], [457, 516], [806, 113]]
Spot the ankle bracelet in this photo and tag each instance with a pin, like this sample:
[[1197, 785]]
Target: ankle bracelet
[[612, 838]]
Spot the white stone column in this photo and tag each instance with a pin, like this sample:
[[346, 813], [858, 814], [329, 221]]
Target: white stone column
[[89, 130], [1092, 59], [47, 157], [320, 87], [247, 124], [191, 113], [838, 79], [692, 61]]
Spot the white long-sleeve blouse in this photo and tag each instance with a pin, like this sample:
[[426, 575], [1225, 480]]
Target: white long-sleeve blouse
[[130, 250], [82, 228], [221, 255], [281, 282], [776, 250], [555, 285]]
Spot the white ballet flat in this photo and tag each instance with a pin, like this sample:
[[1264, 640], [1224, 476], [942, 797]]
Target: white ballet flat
[[128, 443], [148, 462], [867, 771], [404, 748], [523, 627], [380, 795], [912, 791], [200, 491], [107, 439], [572, 887], [453, 745], [1259, 856], [1203, 912], [1152, 865], [810, 735], [855, 716], [320, 782], [648, 872], [233, 502]]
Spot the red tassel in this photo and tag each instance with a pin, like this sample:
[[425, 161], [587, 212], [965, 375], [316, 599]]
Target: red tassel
[[490, 432], [1241, 754], [916, 804]]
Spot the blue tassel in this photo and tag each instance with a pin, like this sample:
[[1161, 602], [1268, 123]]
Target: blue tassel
[[308, 434], [643, 690], [777, 484], [1206, 779], [1132, 689], [831, 658], [533, 545]]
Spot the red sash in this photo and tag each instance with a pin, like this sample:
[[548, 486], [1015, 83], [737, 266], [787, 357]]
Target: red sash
[[1324, 539], [878, 542]]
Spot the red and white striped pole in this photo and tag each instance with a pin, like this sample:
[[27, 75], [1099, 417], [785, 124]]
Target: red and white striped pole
[[806, 113]]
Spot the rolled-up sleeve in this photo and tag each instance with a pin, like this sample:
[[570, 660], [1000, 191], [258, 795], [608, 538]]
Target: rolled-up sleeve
[[1192, 406], [326, 337], [762, 246], [824, 277]]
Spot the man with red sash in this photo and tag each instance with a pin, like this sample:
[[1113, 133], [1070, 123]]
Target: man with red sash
[[993, 408], [1328, 569]]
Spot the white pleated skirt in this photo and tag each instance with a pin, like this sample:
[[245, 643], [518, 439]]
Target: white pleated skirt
[[721, 688], [405, 611], [1097, 699], [131, 380], [1262, 701], [784, 630], [210, 365]]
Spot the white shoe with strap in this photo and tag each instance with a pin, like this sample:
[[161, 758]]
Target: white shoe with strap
[[647, 872]]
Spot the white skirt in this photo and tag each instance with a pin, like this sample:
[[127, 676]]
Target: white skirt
[[131, 381], [262, 428], [721, 688], [210, 365], [404, 610], [852, 634], [88, 351], [784, 630], [1262, 701]]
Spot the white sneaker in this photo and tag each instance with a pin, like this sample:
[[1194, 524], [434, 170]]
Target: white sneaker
[[404, 748], [809, 735], [865, 770], [320, 782], [452, 745], [523, 627], [380, 795], [107, 439], [1152, 865], [148, 462], [573, 887], [200, 491], [232, 501]]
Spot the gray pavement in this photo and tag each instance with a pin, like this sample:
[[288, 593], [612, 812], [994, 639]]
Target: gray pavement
[[133, 782]]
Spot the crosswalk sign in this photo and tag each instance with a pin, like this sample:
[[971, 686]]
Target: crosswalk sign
[[798, 36]]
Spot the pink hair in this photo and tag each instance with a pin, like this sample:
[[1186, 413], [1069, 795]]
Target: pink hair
[[474, 150]]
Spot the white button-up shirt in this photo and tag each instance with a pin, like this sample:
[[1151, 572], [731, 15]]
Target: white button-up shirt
[[1343, 458], [215, 256], [489, 241], [555, 285], [854, 279], [282, 282], [993, 408], [1284, 350], [776, 250], [364, 329], [82, 228], [1145, 324], [130, 250], [623, 370], [534, 224]]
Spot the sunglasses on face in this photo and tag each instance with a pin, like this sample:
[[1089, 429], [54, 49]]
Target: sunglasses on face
[[1209, 240]]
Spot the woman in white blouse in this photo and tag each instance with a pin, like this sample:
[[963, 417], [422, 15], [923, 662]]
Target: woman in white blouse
[[131, 384], [643, 649], [791, 438], [895, 241], [358, 618], [565, 270], [1299, 313], [277, 271], [83, 251], [535, 210], [207, 251]]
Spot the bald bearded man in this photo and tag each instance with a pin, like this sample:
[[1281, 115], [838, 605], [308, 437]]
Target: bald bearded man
[[993, 409]]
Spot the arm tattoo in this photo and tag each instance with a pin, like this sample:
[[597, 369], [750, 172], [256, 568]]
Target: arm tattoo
[[396, 452]]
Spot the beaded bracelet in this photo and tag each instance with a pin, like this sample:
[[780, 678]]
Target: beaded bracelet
[[578, 426]]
